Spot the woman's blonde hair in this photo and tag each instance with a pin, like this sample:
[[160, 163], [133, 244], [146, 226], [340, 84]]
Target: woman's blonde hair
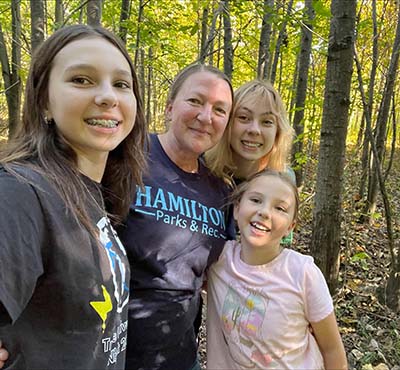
[[220, 159]]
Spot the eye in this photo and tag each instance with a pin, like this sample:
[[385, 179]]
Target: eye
[[281, 209], [220, 111], [122, 85], [255, 200], [194, 101], [243, 118], [79, 80], [268, 122]]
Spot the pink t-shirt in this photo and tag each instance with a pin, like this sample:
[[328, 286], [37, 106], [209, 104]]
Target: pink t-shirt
[[258, 316]]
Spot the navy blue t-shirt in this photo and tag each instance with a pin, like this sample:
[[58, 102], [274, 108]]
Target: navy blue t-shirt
[[176, 228]]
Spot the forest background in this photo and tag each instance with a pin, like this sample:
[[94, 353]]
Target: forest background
[[335, 64]]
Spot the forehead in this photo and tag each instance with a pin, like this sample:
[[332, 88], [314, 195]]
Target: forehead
[[91, 51], [260, 103], [272, 186], [207, 84]]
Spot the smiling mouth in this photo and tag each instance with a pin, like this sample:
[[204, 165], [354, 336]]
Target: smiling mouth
[[250, 144], [106, 123], [260, 227]]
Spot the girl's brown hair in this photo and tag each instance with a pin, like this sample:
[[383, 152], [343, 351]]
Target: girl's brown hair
[[41, 147]]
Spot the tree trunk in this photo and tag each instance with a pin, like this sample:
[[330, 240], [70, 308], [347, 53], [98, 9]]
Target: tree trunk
[[59, 14], [94, 10], [125, 11], [204, 26], [325, 242], [209, 47], [141, 76], [301, 93], [10, 70], [265, 40], [394, 134], [281, 37], [148, 88], [381, 121], [392, 291], [365, 158], [139, 23], [228, 49], [37, 24]]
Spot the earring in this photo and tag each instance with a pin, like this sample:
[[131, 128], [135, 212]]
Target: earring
[[48, 121]]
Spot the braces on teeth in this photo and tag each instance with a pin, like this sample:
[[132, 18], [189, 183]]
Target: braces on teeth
[[108, 123]]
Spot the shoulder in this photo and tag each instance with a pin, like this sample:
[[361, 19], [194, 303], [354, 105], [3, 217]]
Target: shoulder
[[299, 258], [21, 189], [213, 179], [303, 266], [231, 247], [20, 180]]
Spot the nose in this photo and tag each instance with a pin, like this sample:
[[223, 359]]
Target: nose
[[106, 97], [264, 212], [205, 114], [254, 128]]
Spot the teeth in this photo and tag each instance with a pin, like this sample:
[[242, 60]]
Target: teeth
[[108, 123], [251, 145], [259, 226]]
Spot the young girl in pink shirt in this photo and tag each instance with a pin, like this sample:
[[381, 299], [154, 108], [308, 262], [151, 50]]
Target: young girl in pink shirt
[[269, 307]]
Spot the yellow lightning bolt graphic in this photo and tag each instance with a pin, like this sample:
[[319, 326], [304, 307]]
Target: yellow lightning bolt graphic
[[103, 307]]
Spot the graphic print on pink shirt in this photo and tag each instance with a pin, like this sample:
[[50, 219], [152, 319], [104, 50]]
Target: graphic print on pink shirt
[[242, 322]]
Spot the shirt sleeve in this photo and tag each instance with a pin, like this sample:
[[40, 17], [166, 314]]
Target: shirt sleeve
[[21, 241], [318, 301]]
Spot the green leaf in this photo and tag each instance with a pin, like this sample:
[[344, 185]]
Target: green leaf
[[321, 9]]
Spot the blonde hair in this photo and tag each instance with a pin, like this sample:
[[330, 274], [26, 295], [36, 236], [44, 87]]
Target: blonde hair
[[220, 159]]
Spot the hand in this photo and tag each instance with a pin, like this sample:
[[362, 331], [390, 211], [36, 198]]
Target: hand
[[3, 355]]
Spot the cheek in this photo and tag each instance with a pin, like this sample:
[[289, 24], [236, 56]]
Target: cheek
[[270, 139], [183, 114], [237, 131], [219, 129]]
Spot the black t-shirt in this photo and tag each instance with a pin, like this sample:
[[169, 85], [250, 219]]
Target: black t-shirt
[[63, 295], [176, 227]]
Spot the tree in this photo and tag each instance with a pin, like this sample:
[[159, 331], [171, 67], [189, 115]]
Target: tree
[[209, 46], [301, 91], [139, 24], [94, 10], [365, 158], [59, 14], [265, 40], [37, 24], [282, 36], [203, 37], [10, 70], [228, 49], [125, 13], [382, 119], [325, 242]]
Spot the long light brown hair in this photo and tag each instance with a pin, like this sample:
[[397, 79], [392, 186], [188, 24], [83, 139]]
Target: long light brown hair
[[41, 147]]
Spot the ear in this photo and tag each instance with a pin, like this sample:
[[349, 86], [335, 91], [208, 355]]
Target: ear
[[168, 111], [290, 228], [235, 210]]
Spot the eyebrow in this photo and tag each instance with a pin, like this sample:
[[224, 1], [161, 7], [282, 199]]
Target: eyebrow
[[268, 113], [219, 102], [86, 66]]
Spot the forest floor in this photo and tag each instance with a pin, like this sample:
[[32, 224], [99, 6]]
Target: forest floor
[[370, 331]]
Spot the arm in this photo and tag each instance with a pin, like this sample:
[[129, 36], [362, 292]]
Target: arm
[[3, 355], [330, 343]]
